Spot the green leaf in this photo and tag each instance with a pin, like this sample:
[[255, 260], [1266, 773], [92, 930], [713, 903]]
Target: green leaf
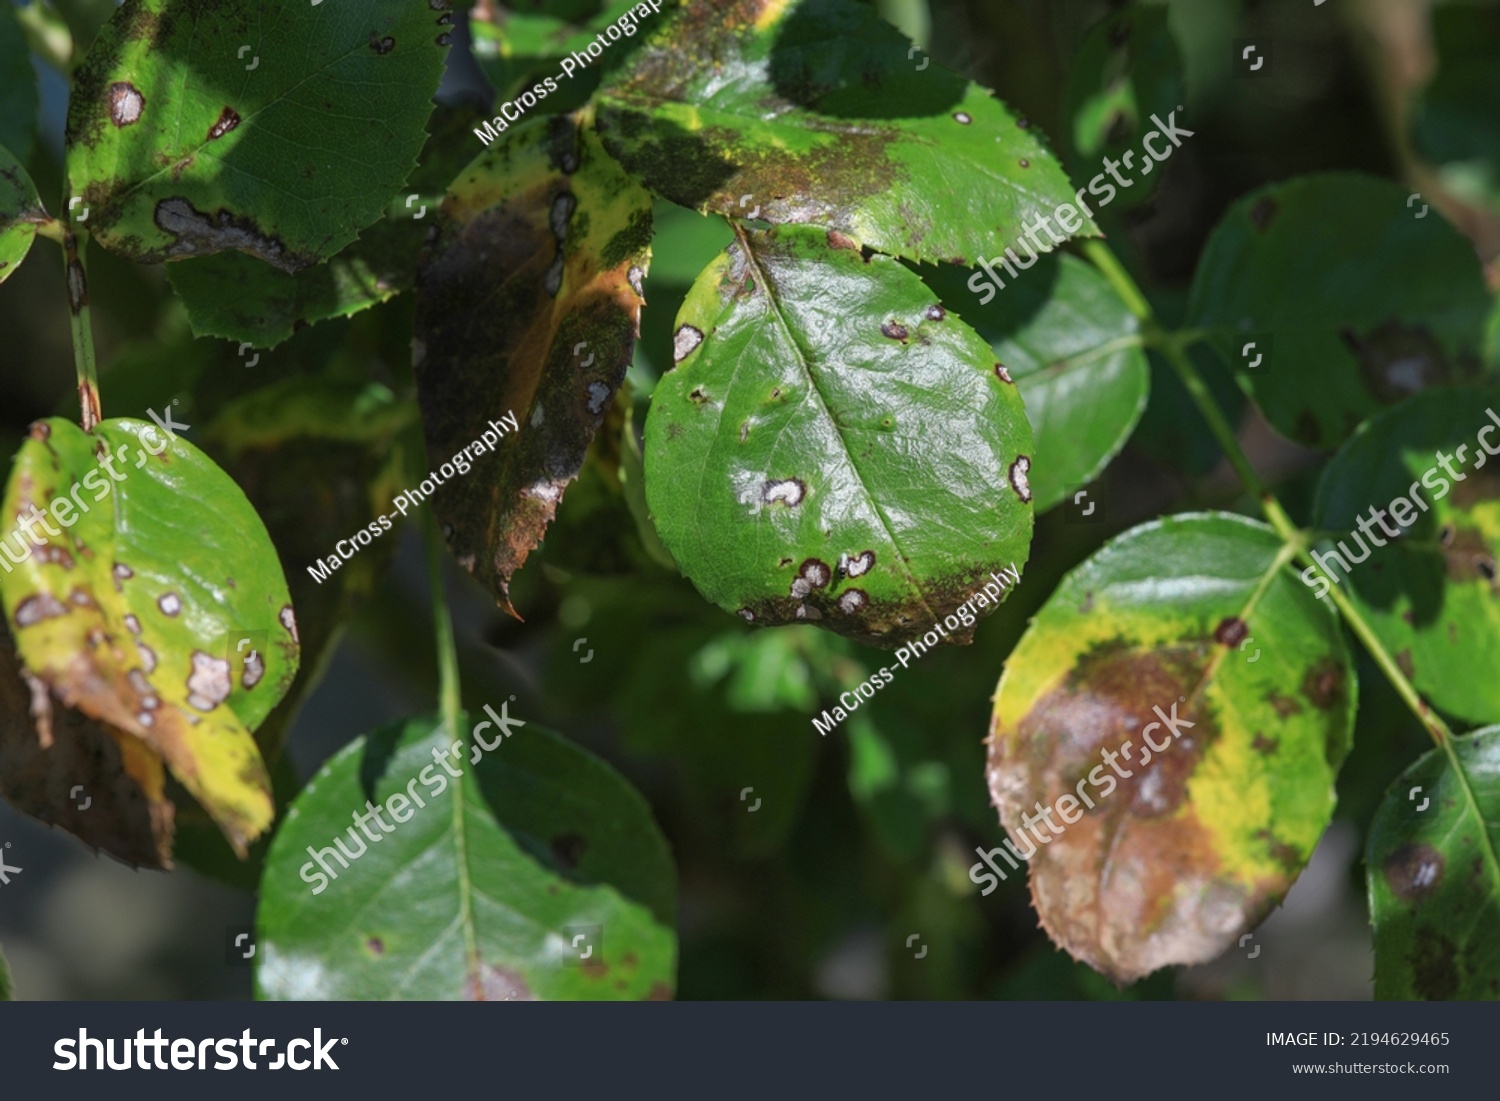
[[1350, 299], [20, 213], [130, 605], [485, 881], [1430, 595], [515, 46], [1127, 69], [1434, 876], [181, 148], [1196, 831], [833, 445], [815, 113], [528, 305], [237, 297], [1075, 351], [18, 94], [6, 991]]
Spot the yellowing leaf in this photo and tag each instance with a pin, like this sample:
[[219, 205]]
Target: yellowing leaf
[[141, 588]]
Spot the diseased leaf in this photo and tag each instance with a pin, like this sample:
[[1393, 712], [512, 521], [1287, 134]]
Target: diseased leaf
[[1188, 701], [479, 886], [815, 112], [1431, 535], [18, 94], [1434, 876], [1331, 298], [833, 444], [601, 526], [528, 305], [20, 213], [1126, 69], [99, 783], [1074, 349], [155, 605], [518, 46], [181, 148], [237, 297]]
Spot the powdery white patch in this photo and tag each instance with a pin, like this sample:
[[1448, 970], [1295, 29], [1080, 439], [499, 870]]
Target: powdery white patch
[[209, 683]]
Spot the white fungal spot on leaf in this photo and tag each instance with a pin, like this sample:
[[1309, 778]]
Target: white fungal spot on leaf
[[684, 341], [1018, 477], [209, 683], [170, 604], [789, 492]]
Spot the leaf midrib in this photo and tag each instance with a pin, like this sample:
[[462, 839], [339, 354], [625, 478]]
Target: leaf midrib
[[804, 362]]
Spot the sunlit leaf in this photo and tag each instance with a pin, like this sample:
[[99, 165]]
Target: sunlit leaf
[[816, 112], [1075, 351], [833, 445], [1181, 704], [153, 603], [182, 147]]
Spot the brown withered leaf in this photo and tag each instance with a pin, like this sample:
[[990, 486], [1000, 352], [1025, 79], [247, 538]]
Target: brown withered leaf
[[1165, 742], [99, 783], [528, 308]]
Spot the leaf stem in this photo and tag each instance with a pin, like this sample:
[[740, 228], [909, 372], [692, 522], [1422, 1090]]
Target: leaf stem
[[442, 622], [1173, 348], [81, 323], [448, 706]]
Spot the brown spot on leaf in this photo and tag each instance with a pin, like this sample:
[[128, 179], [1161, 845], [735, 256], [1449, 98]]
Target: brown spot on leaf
[[893, 330], [1002, 374], [229, 118], [496, 984], [840, 240], [1265, 745], [375, 946], [1434, 963], [1323, 686], [1284, 706], [1134, 882], [1231, 631], [125, 104], [384, 45], [1413, 871], [935, 313]]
